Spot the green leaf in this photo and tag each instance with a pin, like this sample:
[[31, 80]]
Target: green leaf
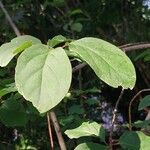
[[144, 140], [58, 3], [12, 113], [76, 109], [25, 38], [43, 76], [86, 129], [75, 12], [22, 47], [8, 89], [144, 102], [141, 124], [102, 134], [144, 55], [91, 102], [130, 141], [108, 62], [18, 44], [147, 58], [64, 120], [90, 146], [76, 27], [56, 40]]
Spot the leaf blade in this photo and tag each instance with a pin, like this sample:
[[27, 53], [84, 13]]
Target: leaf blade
[[56, 40], [18, 44], [40, 76], [109, 63], [86, 129], [128, 140], [90, 146], [145, 102]]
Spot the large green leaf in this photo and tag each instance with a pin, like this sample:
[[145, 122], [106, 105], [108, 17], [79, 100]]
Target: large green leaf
[[43, 76], [132, 140], [25, 38], [18, 44], [145, 102], [109, 63], [90, 146], [86, 129]]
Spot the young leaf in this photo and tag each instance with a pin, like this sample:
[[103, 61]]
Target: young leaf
[[56, 40], [90, 146], [86, 129], [43, 76], [145, 102], [108, 62], [18, 44]]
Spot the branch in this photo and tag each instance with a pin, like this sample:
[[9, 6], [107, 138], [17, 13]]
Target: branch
[[12, 24], [78, 67], [114, 119], [58, 131], [132, 44], [136, 47], [50, 131], [130, 105]]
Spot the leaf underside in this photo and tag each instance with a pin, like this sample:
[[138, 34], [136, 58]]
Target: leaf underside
[[108, 62], [43, 76], [18, 44], [86, 129]]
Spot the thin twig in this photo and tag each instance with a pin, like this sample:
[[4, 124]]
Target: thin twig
[[130, 105], [132, 44], [12, 24], [78, 67], [136, 47], [80, 79], [50, 131], [58, 131], [113, 119]]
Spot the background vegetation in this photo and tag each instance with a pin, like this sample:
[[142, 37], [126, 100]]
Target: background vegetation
[[120, 22]]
